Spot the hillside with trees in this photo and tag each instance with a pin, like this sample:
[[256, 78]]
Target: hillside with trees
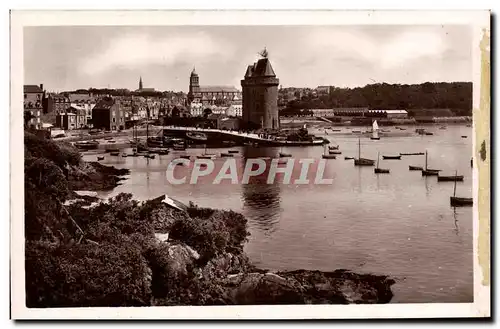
[[455, 96]]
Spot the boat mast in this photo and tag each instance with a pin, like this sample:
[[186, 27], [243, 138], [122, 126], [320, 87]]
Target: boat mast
[[425, 159], [359, 148], [378, 158], [455, 186]]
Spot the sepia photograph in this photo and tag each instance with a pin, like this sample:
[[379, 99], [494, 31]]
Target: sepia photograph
[[179, 160]]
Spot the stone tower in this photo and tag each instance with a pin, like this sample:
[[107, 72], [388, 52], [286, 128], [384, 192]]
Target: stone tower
[[260, 96], [140, 83], [194, 85]]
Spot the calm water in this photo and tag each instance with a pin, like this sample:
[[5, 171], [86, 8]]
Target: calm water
[[399, 224]]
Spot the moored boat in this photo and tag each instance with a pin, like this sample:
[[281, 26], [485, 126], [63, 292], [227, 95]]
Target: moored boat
[[233, 151], [196, 136], [348, 158], [416, 168], [459, 201], [428, 133], [328, 155], [459, 178], [87, 145], [114, 153], [391, 157], [100, 158], [185, 157], [417, 153], [375, 131], [464, 136], [333, 147], [427, 171], [335, 152], [378, 170], [362, 161], [226, 155]]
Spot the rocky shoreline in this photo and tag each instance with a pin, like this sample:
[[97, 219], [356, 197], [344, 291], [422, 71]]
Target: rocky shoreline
[[128, 253]]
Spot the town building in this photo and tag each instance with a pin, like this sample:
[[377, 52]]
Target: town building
[[323, 90], [260, 96], [323, 113], [235, 110], [210, 95], [108, 115], [33, 105]]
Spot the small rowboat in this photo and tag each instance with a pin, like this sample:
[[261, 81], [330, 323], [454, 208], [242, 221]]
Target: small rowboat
[[329, 156], [391, 157], [232, 151], [285, 155], [348, 158], [335, 152], [150, 156], [418, 153], [416, 168], [364, 162], [333, 147], [430, 172], [124, 155], [451, 178], [226, 155], [100, 158], [464, 136], [429, 133]]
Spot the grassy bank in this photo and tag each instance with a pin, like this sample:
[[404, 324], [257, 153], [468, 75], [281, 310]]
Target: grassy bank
[[116, 253]]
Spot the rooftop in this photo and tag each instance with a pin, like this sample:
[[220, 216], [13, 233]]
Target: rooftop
[[262, 68], [217, 89], [32, 89]]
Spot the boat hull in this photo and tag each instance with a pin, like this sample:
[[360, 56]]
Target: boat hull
[[335, 152], [430, 172], [348, 158], [416, 168], [381, 171], [391, 157], [460, 202], [329, 156], [450, 178], [364, 162]]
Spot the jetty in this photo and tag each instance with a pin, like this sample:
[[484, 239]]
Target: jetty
[[238, 136]]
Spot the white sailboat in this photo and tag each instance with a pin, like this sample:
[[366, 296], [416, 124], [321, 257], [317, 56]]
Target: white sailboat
[[375, 131]]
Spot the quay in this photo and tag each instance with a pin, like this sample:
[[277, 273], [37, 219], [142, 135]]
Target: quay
[[217, 135]]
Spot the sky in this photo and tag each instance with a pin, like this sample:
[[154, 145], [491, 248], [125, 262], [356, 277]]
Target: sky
[[73, 57]]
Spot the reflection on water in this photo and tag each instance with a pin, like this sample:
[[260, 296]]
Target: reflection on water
[[400, 224], [261, 201]]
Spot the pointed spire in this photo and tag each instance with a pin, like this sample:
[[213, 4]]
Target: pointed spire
[[140, 82], [194, 71]]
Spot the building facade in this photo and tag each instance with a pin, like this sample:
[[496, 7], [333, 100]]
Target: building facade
[[260, 96], [33, 105], [108, 115], [210, 95]]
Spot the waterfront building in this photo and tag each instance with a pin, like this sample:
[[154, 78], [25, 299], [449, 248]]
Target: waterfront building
[[108, 115], [235, 110], [260, 96], [210, 95], [33, 105]]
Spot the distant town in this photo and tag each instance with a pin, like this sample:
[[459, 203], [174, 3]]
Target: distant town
[[222, 107]]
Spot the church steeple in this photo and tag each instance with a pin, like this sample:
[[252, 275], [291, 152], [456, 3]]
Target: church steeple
[[140, 83]]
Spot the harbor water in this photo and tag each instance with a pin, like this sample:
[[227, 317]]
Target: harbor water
[[399, 224]]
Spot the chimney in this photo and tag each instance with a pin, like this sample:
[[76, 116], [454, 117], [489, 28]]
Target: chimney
[[41, 86]]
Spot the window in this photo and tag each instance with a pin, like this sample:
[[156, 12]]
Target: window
[[25, 96], [114, 120]]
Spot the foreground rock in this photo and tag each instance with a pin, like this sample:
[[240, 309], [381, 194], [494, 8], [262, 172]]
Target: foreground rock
[[308, 287]]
